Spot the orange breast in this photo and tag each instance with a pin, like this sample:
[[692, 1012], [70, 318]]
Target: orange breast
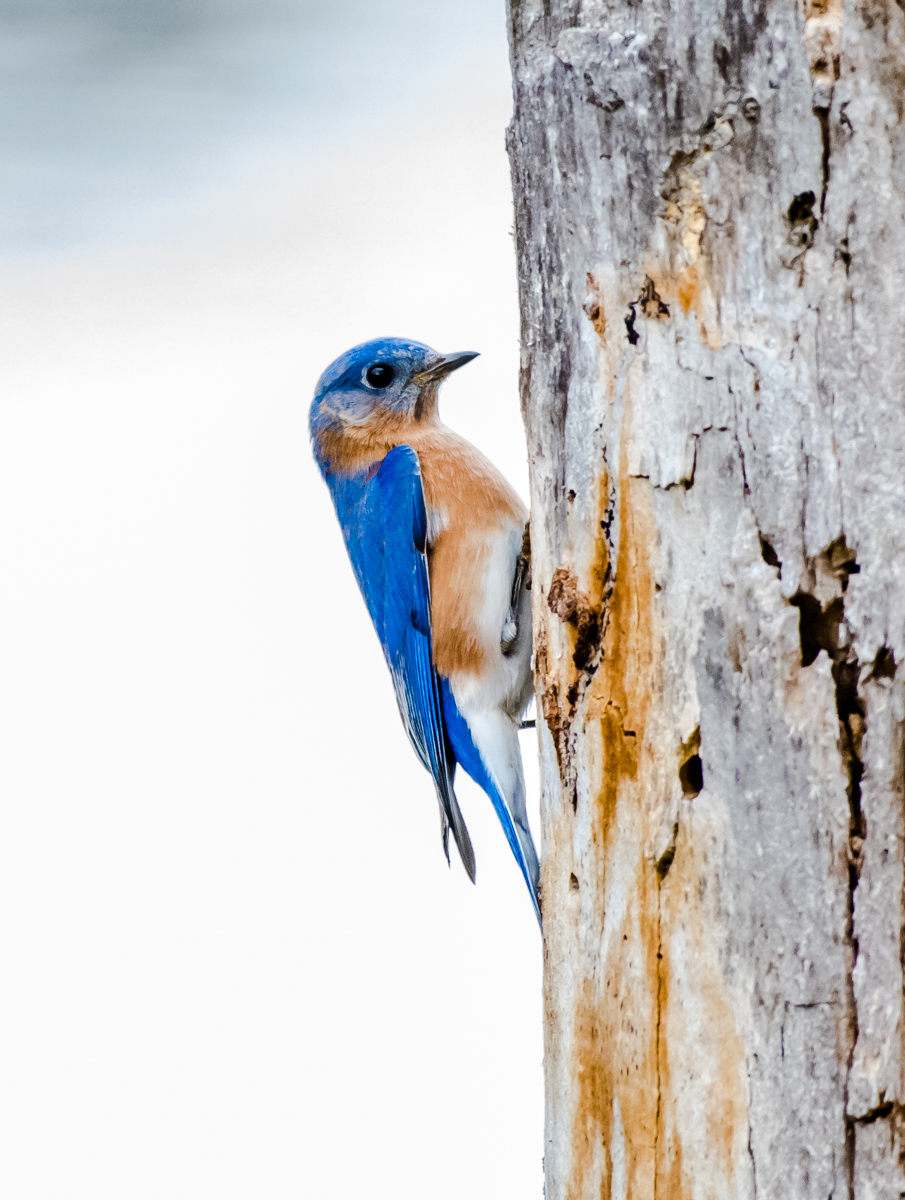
[[473, 504]]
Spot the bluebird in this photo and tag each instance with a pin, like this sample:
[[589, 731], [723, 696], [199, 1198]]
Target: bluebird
[[438, 544]]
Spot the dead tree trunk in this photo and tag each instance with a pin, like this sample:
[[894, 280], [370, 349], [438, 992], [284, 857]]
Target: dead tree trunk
[[710, 221]]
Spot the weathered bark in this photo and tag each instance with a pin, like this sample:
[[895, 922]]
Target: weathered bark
[[710, 221]]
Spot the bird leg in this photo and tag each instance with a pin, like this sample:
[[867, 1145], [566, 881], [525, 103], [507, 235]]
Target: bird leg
[[521, 579]]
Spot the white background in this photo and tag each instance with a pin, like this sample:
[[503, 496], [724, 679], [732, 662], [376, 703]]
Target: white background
[[233, 960]]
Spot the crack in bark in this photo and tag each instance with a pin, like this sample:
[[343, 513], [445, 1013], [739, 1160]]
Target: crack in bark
[[586, 618], [880, 1113], [666, 859], [823, 116], [769, 555], [802, 222], [566, 600], [822, 627], [659, 1021], [651, 306], [738, 440], [573, 607]]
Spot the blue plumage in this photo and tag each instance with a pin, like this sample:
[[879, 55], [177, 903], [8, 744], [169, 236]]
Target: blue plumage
[[375, 429], [384, 524]]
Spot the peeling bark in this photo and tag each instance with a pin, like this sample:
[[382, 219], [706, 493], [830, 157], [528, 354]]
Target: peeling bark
[[710, 225]]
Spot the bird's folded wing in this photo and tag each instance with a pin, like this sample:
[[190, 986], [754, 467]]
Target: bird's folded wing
[[384, 523]]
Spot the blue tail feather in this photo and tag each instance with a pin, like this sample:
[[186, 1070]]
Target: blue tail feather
[[469, 758]]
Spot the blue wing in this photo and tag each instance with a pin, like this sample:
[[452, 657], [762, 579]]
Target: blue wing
[[384, 524]]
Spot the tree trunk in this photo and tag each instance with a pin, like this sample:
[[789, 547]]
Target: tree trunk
[[711, 242]]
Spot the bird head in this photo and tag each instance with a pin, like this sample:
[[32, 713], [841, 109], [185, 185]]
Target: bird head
[[383, 379]]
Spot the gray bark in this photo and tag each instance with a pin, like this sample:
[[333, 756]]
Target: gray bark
[[710, 223]]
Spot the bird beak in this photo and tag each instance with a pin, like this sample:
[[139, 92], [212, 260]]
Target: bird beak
[[444, 366]]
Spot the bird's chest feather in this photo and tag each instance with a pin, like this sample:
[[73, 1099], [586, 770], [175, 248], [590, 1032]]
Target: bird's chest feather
[[475, 527]]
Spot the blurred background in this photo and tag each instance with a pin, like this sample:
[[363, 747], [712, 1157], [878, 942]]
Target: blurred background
[[234, 962]]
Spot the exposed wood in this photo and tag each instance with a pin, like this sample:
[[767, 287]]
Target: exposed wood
[[710, 224]]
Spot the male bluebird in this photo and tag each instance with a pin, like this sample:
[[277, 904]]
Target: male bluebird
[[436, 538]]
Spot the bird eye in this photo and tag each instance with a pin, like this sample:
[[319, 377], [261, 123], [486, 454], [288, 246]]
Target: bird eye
[[380, 375]]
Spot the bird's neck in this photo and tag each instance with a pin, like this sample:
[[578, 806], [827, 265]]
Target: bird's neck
[[353, 448]]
